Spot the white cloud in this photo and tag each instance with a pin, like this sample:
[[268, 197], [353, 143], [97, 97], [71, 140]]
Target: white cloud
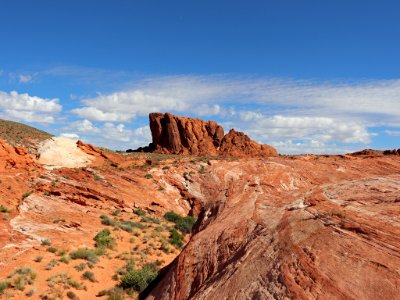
[[318, 128], [95, 114], [393, 132], [310, 147], [269, 110], [111, 135], [205, 95], [28, 108], [73, 136], [24, 78]]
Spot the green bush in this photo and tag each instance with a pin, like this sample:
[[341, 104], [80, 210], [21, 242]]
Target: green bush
[[84, 253], [176, 238], [184, 224], [103, 239], [138, 280], [3, 286], [52, 249], [89, 276], [139, 212], [107, 221]]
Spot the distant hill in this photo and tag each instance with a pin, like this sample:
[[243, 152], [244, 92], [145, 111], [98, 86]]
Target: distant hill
[[18, 134]]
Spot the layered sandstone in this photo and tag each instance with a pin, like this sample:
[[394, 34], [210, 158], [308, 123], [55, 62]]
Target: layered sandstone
[[180, 135], [311, 227]]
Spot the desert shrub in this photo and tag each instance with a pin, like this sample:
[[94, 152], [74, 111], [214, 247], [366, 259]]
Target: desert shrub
[[89, 276], [138, 280], [26, 195], [202, 169], [30, 293], [139, 212], [103, 239], [46, 242], [3, 286], [80, 267], [165, 248], [71, 295], [184, 224], [52, 249], [22, 277], [51, 264], [65, 259], [113, 294], [86, 254], [38, 258], [148, 219], [107, 221], [116, 212], [4, 209], [175, 238], [148, 176]]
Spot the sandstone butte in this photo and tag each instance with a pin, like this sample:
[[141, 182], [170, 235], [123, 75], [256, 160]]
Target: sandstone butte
[[180, 135], [270, 227]]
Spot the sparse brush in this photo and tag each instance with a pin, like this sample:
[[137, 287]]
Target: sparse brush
[[26, 195], [184, 224], [4, 209], [52, 249], [80, 267], [175, 238], [89, 276], [3, 286], [46, 242], [86, 254], [38, 258], [139, 212], [65, 259], [51, 264], [103, 239], [138, 280]]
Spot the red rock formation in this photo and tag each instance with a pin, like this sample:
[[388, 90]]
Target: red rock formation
[[14, 157], [311, 227], [180, 135]]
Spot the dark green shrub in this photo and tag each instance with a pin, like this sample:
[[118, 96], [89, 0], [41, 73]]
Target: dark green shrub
[[139, 212], [89, 276], [52, 249], [184, 224], [3, 286], [138, 280], [103, 239], [175, 238]]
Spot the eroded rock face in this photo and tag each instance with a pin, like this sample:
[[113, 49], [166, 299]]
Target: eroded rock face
[[180, 135], [311, 227], [14, 157]]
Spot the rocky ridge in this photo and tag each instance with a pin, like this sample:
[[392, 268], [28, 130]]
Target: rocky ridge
[[180, 135]]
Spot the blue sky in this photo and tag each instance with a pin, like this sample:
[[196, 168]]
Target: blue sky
[[304, 76]]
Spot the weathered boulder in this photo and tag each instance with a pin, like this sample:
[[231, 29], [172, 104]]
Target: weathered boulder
[[180, 135]]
